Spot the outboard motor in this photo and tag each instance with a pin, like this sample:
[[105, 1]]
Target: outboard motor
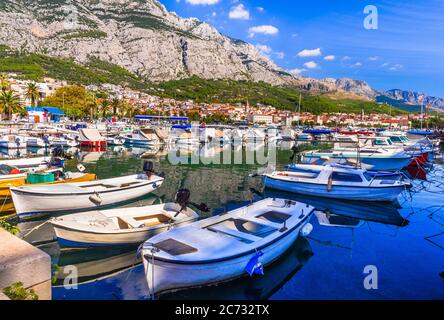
[[183, 198], [18, 142], [57, 157], [148, 168], [46, 140]]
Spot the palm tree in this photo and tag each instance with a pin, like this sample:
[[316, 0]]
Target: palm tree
[[9, 102], [91, 104], [4, 82], [124, 107], [104, 106], [116, 105], [33, 93]]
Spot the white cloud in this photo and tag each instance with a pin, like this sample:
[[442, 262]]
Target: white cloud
[[265, 29], [311, 65], [310, 53], [330, 58], [202, 2], [239, 12], [264, 49], [296, 71], [357, 64], [260, 9], [345, 58], [214, 14], [373, 58], [396, 67]]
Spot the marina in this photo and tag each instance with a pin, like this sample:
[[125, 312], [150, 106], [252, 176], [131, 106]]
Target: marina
[[103, 244], [210, 158]]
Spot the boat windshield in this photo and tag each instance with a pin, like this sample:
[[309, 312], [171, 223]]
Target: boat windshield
[[367, 176], [346, 177]]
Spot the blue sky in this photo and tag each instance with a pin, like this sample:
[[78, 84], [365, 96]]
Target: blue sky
[[327, 38]]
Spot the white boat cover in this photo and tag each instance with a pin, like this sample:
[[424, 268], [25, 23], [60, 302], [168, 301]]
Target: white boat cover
[[90, 135]]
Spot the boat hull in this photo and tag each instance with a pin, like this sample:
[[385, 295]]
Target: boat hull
[[199, 274], [384, 194], [68, 237], [18, 182], [93, 143], [368, 163], [29, 204]]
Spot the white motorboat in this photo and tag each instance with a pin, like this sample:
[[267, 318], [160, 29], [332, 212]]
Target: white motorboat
[[62, 142], [123, 226], [340, 182], [36, 142], [224, 247], [146, 137], [70, 197], [115, 141], [370, 159], [27, 163], [10, 141]]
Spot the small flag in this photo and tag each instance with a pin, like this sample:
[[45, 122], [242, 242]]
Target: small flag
[[254, 266]]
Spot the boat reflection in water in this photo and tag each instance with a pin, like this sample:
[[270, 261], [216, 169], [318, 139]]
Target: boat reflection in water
[[93, 264], [112, 273], [386, 213]]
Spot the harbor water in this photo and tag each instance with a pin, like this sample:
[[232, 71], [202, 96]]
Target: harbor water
[[402, 244]]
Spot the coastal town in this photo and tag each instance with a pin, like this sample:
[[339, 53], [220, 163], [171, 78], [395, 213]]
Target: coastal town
[[145, 104]]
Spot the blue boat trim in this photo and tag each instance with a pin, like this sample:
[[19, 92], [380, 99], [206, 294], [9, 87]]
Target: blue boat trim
[[76, 244]]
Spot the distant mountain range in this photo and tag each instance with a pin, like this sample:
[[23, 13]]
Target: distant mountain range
[[143, 37]]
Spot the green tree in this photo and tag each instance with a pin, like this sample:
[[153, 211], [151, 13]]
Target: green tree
[[71, 99], [33, 93], [9, 102], [116, 105]]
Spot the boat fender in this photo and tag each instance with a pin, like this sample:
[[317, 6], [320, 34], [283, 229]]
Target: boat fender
[[330, 183], [95, 198], [254, 266], [306, 230]]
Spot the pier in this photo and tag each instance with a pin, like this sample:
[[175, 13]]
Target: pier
[[22, 262]]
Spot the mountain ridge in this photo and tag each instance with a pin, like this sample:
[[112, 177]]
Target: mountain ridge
[[143, 37]]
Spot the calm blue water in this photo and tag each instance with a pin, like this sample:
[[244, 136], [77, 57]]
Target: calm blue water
[[328, 264]]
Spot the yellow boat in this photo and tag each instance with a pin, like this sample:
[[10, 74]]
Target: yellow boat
[[18, 182]]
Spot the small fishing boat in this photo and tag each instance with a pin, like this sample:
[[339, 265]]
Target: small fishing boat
[[224, 247], [62, 142], [115, 141], [338, 182], [36, 142], [304, 137], [374, 159], [11, 141], [91, 138], [119, 227], [420, 132], [47, 177], [31, 201], [146, 137]]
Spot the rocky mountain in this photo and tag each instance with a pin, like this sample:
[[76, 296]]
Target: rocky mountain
[[415, 98], [143, 37], [139, 35]]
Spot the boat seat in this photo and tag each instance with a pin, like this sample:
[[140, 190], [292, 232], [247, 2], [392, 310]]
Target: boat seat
[[274, 217], [236, 234], [174, 247], [129, 223], [124, 185]]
